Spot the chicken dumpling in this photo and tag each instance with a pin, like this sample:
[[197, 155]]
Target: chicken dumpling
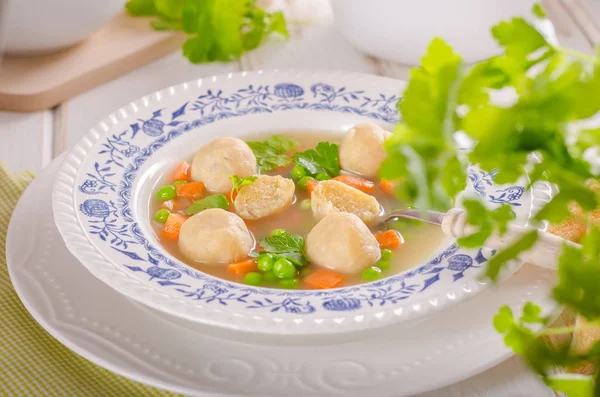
[[214, 237], [215, 162], [268, 195], [362, 151], [342, 242], [334, 196]]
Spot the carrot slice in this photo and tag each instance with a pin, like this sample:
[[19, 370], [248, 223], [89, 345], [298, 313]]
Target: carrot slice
[[182, 172], [243, 267], [311, 186], [191, 191], [173, 226], [324, 279], [388, 239], [387, 187], [363, 185]]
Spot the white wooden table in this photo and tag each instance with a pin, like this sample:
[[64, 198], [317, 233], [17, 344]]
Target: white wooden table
[[31, 141]]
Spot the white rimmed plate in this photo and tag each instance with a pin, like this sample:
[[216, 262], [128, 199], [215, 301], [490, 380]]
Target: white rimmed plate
[[100, 203]]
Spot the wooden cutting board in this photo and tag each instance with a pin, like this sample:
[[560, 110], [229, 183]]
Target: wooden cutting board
[[40, 82]]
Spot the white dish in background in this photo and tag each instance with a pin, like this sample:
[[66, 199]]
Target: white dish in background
[[38, 26], [167, 352], [101, 198], [401, 30]]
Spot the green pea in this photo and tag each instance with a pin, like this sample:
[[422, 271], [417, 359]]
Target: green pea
[[179, 182], [298, 172], [253, 278], [166, 193], [384, 265], [278, 232], [371, 274], [305, 204], [292, 283], [269, 276], [265, 263], [386, 254], [303, 181], [284, 269], [162, 215], [322, 176]]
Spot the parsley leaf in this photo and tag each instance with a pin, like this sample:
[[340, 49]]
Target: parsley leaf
[[517, 337], [263, 24], [277, 24], [477, 83], [170, 9], [238, 182], [422, 148], [495, 264], [217, 28], [141, 8], [573, 385], [288, 246], [555, 92], [486, 221], [282, 244], [579, 277], [523, 337], [221, 30], [538, 11], [558, 209], [531, 314], [273, 152], [518, 38], [503, 320], [323, 159], [214, 201]]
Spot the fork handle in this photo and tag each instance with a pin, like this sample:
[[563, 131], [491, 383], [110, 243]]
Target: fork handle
[[545, 253]]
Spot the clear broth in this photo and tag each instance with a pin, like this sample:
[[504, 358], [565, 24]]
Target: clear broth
[[420, 240]]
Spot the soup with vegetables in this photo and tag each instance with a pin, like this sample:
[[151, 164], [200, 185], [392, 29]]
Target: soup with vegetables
[[288, 211]]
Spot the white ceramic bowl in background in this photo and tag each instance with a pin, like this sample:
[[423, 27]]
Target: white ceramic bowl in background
[[401, 30], [41, 26]]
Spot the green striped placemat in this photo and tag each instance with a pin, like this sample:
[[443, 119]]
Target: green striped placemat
[[32, 363]]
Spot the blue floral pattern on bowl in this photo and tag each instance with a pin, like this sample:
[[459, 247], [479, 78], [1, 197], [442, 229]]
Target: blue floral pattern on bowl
[[104, 190], [483, 184]]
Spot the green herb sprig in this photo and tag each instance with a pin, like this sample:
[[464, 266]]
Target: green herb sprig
[[220, 30], [238, 183], [324, 159], [554, 88], [273, 152], [288, 246], [214, 201]]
